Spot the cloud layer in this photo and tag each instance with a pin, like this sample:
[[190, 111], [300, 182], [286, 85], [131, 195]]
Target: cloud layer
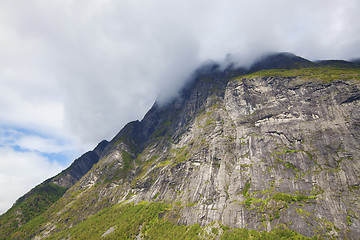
[[80, 70], [91, 66]]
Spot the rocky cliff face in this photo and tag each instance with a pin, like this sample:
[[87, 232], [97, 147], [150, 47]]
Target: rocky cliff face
[[272, 148], [79, 167]]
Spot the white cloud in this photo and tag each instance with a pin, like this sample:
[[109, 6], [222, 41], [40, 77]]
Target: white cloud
[[39, 144], [18, 109], [20, 172], [92, 66], [32, 141]]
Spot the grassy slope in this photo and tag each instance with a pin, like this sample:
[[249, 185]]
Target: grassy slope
[[30, 206], [326, 73], [152, 222]]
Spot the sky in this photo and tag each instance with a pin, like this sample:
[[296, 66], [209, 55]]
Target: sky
[[74, 72]]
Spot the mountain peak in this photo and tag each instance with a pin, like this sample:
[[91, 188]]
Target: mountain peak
[[282, 60]]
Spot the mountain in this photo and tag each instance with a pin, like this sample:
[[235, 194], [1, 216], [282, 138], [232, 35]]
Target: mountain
[[280, 61], [271, 152]]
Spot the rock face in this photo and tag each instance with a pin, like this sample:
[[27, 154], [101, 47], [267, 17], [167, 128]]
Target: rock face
[[79, 167], [249, 151]]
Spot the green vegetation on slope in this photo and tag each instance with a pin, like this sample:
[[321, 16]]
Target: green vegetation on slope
[[30, 206], [156, 221], [323, 73], [45, 195]]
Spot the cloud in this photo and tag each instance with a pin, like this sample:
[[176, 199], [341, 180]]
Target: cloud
[[80, 70], [31, 141], [93, 66]]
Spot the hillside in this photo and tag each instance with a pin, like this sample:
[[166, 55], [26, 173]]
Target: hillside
[[41, 197], [268, 152]]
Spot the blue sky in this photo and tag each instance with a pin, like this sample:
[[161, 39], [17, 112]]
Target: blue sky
[[73, 73]]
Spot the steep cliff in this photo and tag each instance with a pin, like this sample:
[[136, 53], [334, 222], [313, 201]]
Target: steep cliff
[[79, 167], [273, 149]]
